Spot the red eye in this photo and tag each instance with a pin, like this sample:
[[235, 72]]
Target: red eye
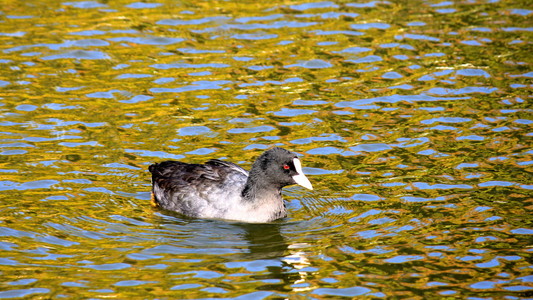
[[286, 167]]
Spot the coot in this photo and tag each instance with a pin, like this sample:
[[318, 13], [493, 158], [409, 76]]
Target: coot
[[223, 190]]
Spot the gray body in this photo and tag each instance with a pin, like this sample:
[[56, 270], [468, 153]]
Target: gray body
[[223, 190]]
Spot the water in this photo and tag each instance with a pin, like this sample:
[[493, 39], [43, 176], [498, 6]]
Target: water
[[413, 119]]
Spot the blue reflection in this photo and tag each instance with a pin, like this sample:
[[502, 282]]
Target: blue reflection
[[399, 259], [314, 5], [78, 54], [193, 130], [176, 22], [312, 64], [342, 292], [84, 4], [188, 66], [366, 26], [23, 293], [143, 5]]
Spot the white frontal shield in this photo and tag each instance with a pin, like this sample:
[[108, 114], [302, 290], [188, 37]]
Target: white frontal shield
[[300, 177]]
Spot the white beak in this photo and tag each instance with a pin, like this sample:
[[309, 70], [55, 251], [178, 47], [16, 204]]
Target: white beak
[[300, 177]]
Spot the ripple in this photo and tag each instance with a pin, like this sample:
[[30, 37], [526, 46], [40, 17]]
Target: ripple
[[392, 75], [133, 282], [321, 138], [189, 66], [336, 32], [366, 59], [417, 37], [8, 262], [399, 259], [366, 4], [87, 43], [109, 267], [329, 151], [194, 86], [193, 130], [273, 25], [258, 18], [60, 106], [470, 138], [137, 99], [314, 5], [80, 144], [23, 292], [13, 34], [461, 91], [522, 12], [88, 32], [78, 54], [342, 292], [84, 4], [266, 82], [254, 36], [201, 151], [445, 120], [142, 5], [38, 184], [421, 199], [471, 43], [397, 45], [56, 241], [370, 147], [413, 142], [366, 197], [522, 231], [23, 281], [177, 22], [158, 154], [496, 183], [313, 102], [127, 76], [148, 40], [355, 50], [257, 129], [366, 26], [312, 64], [319, 171], [291, 112], [440, 186], [392, 99], [473, 72]]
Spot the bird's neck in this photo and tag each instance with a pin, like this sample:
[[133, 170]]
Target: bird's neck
[[257, 189]]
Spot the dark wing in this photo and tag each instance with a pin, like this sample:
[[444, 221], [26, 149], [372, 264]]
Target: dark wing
[[220, 163], [194, 189]]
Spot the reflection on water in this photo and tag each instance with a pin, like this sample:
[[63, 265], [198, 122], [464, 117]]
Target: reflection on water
[[412, 119]]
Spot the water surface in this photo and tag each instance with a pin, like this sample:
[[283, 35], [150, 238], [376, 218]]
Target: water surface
[[412, 119]]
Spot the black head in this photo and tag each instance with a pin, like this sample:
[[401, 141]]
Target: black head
[[280, 167]]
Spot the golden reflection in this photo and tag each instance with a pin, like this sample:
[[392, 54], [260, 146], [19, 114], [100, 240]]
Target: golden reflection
[[413, 120]]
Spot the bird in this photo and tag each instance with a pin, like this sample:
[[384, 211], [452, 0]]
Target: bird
[[223, 190]]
